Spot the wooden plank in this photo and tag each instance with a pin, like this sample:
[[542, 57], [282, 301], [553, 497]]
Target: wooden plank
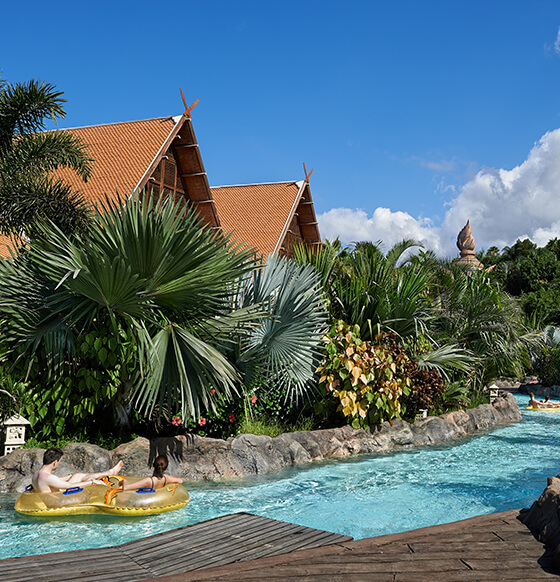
[[243, 546], [194, 541], [219, 541]]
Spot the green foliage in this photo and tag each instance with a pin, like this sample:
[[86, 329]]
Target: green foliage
[[546, 358], [546, 366], [455, 395], [147, 292], [367, 379], [28, 156], [90, 395], [479, 319], [532, 274], [427, 388], [282, 349], [368, 289]]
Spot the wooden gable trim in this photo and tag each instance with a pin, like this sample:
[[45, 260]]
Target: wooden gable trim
[[157, 159], [195, 183], [307, 225], [279, 244]]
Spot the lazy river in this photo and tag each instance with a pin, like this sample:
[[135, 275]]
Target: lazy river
[[364, 496]]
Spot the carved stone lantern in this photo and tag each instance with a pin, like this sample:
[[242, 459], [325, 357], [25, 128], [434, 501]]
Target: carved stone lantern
[[15, 433], [465, 244]]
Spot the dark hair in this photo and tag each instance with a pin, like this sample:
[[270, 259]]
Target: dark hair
[[52, 455], [160, 465]]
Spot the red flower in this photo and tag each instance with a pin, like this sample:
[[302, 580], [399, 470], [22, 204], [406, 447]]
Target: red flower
[[176, 421], [202, 421], [231, 417], [213, 391], [254, 398]]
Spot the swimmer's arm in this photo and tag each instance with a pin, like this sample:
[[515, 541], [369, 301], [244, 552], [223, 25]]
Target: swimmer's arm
[[172, 479]]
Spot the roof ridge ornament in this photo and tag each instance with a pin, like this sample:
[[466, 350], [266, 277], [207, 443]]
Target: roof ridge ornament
[[307, 176], [465, 244], [187, 108]]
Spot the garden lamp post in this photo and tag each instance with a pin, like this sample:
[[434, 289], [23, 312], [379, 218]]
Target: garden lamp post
[[14, 428]]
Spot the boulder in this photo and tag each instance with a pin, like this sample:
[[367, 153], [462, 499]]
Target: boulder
[[543, 517]]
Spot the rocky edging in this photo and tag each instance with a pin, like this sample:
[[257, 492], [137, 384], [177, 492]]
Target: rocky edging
[[543, 517], [540, 390], [195, 458]]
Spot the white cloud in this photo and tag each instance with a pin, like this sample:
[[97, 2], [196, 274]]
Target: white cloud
[[556, 46], [386, 226], [502, 205]]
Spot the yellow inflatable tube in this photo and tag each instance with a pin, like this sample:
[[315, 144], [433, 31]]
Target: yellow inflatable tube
[[101, 499], [544, 409]]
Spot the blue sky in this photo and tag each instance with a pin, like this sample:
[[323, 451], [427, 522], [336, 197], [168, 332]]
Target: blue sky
[[415, 116]]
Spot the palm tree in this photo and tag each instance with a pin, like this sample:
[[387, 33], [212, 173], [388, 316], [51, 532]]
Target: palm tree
[[282, 350], [474, 315], [372, 290], [29, 156], [145, 271]]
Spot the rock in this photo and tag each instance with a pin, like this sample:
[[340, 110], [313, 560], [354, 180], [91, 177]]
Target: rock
[[84, 458], [17, 468], [543, 517], [195, 458]]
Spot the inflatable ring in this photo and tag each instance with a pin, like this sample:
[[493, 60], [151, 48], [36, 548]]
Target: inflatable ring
[[100, 499], [544, 408]]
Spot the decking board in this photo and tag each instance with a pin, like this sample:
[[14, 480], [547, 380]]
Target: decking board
[[219, 541]]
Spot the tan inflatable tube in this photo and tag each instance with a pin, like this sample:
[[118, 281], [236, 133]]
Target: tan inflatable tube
[[101, 499]]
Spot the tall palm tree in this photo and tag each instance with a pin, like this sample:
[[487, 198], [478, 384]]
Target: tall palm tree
[[28, 157]]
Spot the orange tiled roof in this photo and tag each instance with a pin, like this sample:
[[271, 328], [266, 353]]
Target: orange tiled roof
[[7, 243], [126, 154], [256, 212], [122, 152]]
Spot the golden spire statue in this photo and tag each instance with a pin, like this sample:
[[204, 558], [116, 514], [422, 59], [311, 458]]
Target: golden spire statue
[[465, 244]]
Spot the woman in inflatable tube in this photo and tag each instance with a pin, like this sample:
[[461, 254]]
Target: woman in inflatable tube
[[142, 496]]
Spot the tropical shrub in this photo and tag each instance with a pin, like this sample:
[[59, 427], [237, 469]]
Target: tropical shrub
[[369, 289], [366, 379], [455, 395], [426, 388], [279, 354], [472, 313], [546, 357]]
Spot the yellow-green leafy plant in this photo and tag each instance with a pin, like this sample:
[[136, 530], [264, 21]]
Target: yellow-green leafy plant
[[367, 379]]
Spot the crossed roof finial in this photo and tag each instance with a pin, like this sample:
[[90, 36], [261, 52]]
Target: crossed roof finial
[[306, 174], [187, 108]]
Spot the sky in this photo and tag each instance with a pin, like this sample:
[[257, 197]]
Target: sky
[[415, 116]]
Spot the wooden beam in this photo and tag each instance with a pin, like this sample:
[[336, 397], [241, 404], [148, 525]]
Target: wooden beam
[[195, 174], [185, 145], [307, 223]]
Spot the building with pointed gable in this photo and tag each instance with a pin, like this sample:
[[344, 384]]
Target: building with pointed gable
[[162, 155]]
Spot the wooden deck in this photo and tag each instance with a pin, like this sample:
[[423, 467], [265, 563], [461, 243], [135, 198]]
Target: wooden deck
[[224, 540], [496, 547]]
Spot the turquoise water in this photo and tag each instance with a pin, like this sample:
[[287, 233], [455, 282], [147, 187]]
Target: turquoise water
[[368, 496]]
